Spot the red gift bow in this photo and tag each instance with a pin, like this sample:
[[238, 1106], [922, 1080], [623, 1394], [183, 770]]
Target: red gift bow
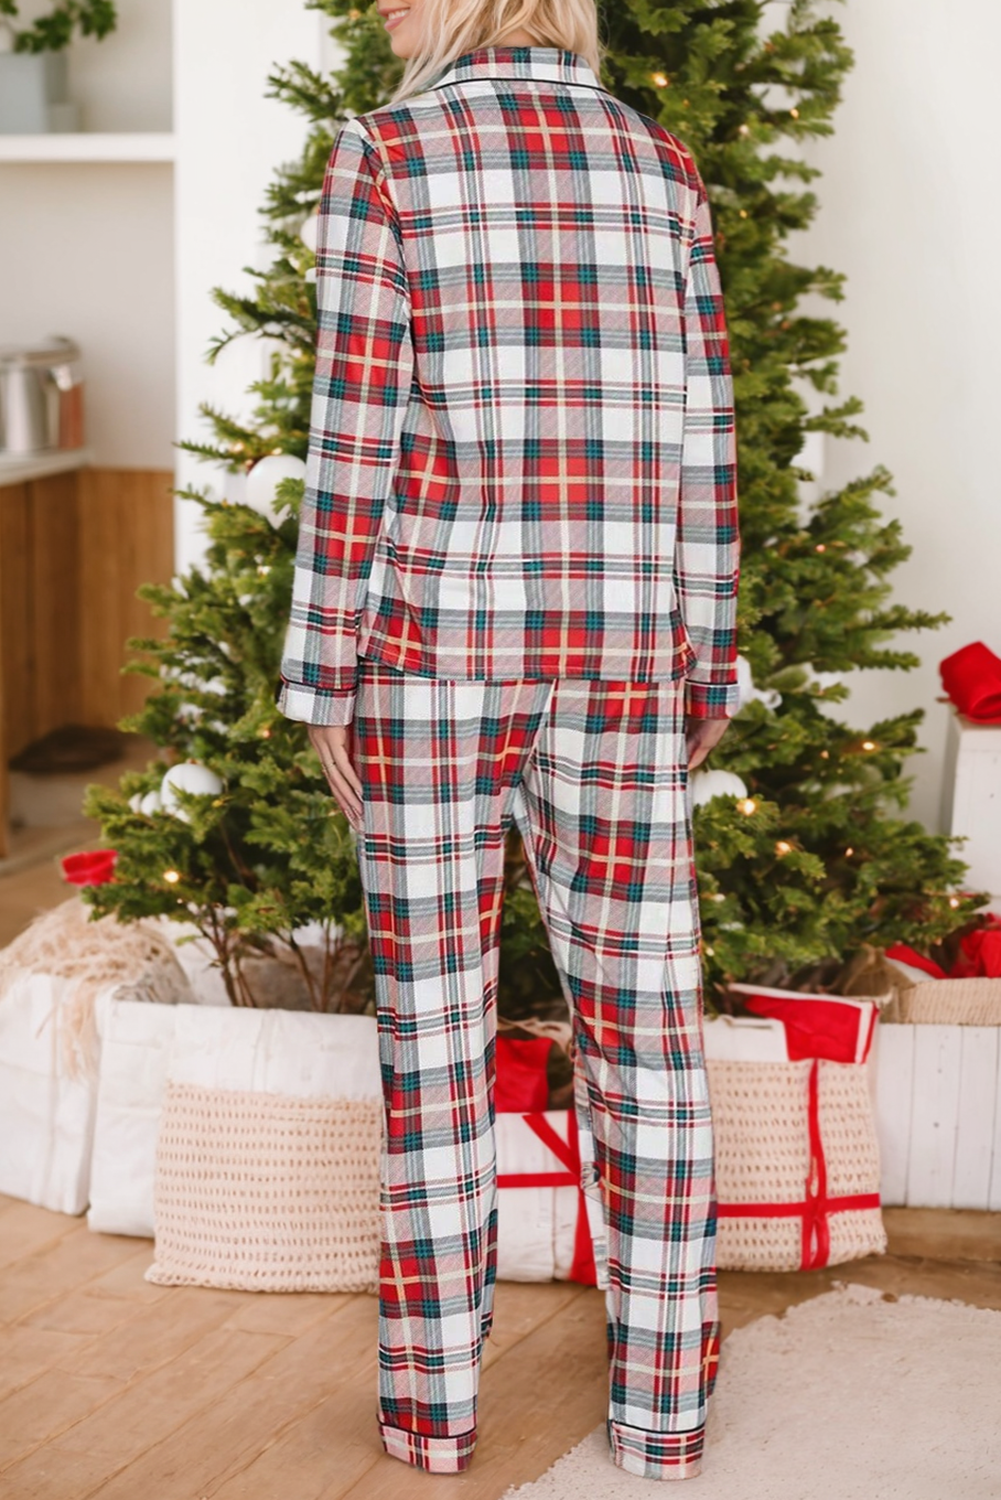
[[521, 1085], [979, 954], [972, 678], [568, 1152], [905, 954], [93, 867], [816, 1207]]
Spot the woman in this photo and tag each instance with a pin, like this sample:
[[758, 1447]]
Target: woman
[[514, 600]]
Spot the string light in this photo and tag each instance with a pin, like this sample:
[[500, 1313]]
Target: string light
[[263, 570], [744, 130], [171, 876], [868, 744], [825, 754], [265, 733], [743, 213], [747, 805], [849, 852], [661, 80], [782, 847], [954, 902], [820, 547], [795, 113]]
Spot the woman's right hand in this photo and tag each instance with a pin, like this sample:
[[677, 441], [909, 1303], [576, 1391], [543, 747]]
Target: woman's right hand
[[334, 744], [701, 736]]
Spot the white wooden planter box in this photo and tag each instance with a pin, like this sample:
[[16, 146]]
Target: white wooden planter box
[[939, 1115]]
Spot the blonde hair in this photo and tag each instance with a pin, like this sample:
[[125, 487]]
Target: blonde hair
[[452, 27]]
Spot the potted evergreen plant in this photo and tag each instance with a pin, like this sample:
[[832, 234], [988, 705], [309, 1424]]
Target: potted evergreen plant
[[33, 63]]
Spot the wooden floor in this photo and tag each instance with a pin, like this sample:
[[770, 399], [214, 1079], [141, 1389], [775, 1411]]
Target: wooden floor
[[113, 1387]]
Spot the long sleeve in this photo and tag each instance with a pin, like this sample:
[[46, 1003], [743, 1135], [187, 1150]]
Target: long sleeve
[[364, 368], [707, 556]]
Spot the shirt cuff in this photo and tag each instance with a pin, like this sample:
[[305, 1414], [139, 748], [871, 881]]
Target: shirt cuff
[[315, 705], [711, 700]]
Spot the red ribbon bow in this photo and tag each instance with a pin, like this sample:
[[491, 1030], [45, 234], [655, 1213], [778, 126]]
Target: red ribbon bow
[[93, 867], [972, 678]]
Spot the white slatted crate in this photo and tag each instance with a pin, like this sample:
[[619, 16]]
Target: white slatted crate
[[938, 1115], [971, 800]]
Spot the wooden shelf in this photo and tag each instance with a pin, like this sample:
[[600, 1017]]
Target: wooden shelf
[[84, 146], [21, 468]]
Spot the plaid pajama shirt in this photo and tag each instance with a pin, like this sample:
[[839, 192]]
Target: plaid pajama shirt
[[517, 576], [522, 455]]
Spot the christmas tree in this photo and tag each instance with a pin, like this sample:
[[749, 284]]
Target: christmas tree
[[801, 854]]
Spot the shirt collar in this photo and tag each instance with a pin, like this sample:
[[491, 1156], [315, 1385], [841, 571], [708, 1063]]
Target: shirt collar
[[549, 64]]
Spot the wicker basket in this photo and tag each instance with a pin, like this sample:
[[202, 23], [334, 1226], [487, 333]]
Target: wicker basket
[[948, 1002], [267, 1192], [797, 1164]]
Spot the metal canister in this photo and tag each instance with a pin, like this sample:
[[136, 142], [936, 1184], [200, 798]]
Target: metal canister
[[41, 397]]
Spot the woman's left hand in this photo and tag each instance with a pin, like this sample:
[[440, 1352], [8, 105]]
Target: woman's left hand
[[334, 744]]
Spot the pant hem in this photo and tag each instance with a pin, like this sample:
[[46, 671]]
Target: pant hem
[[657, 1455], [439, 1455]]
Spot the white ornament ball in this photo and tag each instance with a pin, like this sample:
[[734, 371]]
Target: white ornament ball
[[706, 784], [265, 477], [748, 692], [150, 804], [188, 777], [310, 231]]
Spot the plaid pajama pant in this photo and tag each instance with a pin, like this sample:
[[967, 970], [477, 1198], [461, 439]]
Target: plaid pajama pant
[[594, 774]]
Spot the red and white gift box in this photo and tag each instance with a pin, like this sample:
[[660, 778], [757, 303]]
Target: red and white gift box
[[542, 1223], [797, 1156], [544, 1216]]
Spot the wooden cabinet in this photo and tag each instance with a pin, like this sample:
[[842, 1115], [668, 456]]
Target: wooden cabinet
[[74, 547]]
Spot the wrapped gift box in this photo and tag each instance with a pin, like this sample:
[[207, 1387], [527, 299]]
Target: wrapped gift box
[[797, 1156], [543, 1222]]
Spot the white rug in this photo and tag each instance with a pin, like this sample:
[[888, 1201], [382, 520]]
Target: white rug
[[844, 1397]]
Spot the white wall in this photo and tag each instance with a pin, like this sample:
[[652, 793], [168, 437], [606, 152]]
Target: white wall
[[230, 138], [910, 210], [122, 82], [87, 251]]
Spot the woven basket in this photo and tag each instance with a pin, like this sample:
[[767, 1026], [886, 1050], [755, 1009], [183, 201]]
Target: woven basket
[[817, 1191], [948, 1002], [265, 1192]]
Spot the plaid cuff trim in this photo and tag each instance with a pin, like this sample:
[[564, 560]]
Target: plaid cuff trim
[[439, 1455], [711, 700], [296, 701], [657, 1455]]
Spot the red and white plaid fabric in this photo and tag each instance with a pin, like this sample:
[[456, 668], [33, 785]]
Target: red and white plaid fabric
[[522, 458], [594, 776]]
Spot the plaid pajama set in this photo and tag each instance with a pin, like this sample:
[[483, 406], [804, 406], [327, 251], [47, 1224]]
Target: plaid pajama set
[[517, 575]]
